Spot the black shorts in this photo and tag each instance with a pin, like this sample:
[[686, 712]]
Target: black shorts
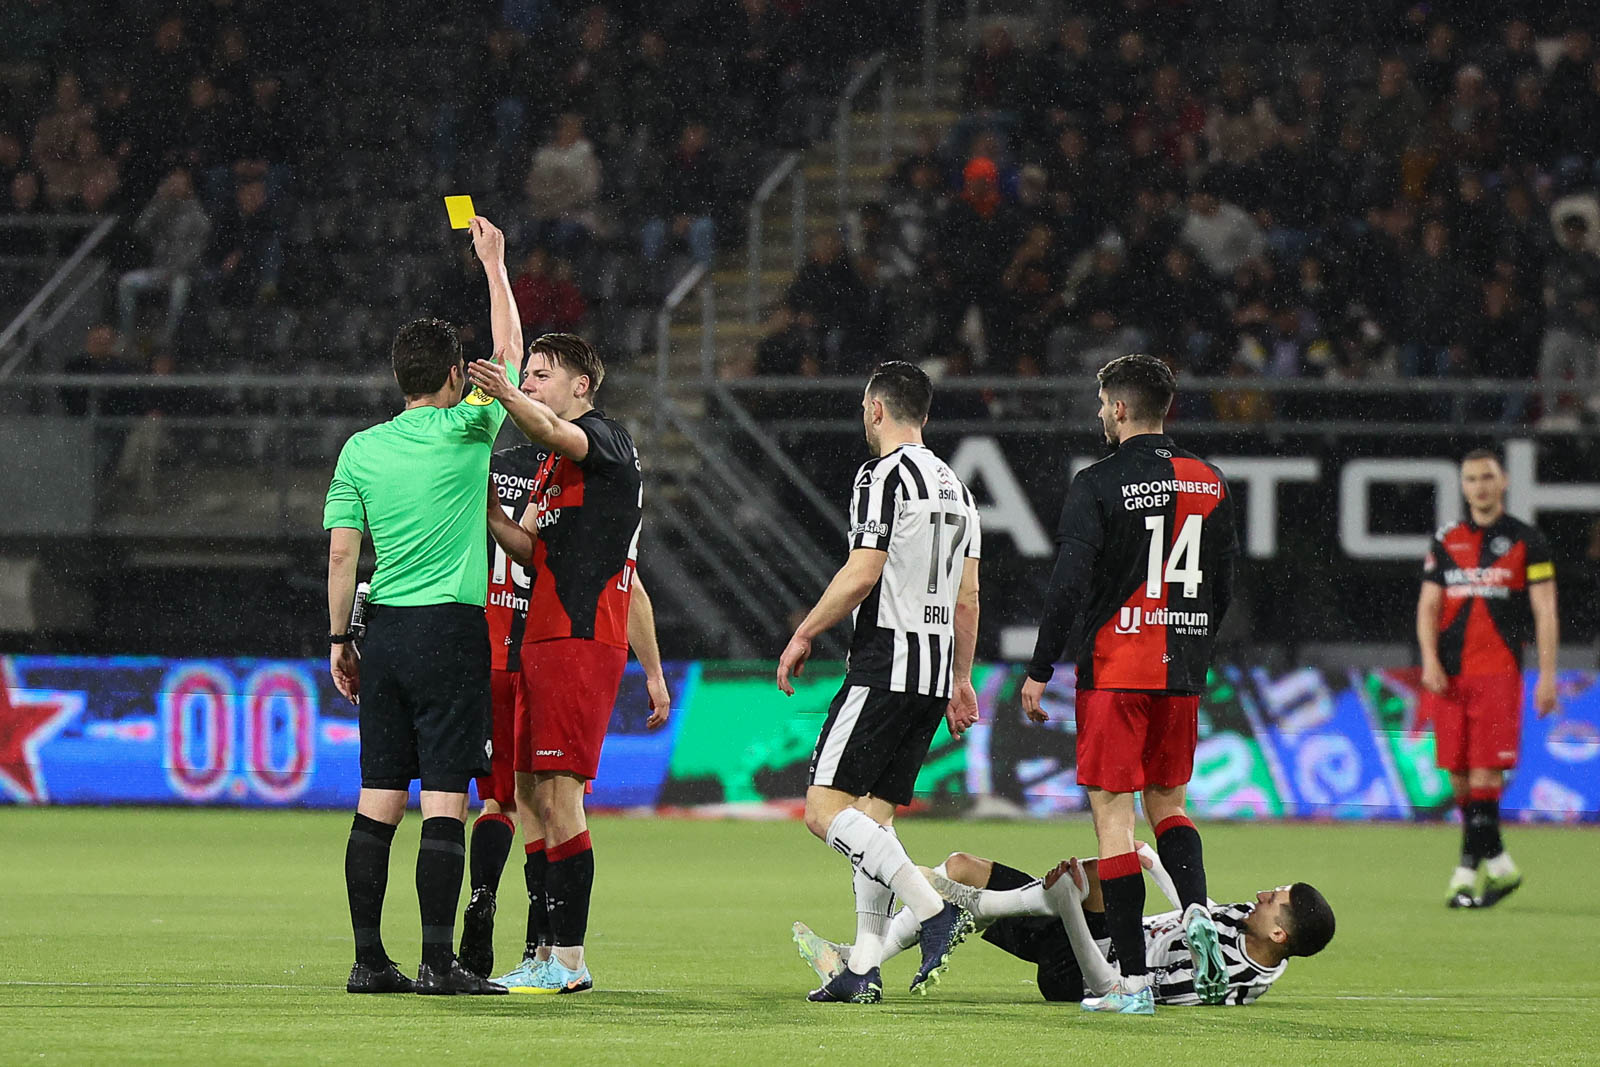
[[1037, 939], [425, 707], [874, 741]]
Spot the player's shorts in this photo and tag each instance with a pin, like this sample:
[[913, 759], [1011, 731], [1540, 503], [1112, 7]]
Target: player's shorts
[[500, 784], [1477, 721], [874, 741], [425, 703], [569, 686], [1127, 741], [1036, 939]]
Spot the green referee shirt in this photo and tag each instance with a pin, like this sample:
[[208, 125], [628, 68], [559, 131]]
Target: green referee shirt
[[419, 483]]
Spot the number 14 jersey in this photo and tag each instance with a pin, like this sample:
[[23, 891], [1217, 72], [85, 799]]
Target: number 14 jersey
[[1144, 572], [911, 505]]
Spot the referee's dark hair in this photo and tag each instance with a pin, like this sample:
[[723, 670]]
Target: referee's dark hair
[[905, 389], [423, 353], [574, 354], [1310, 921], [1145, 383]]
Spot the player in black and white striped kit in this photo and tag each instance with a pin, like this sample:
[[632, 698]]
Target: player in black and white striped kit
[[1058, 923], [911, 582]]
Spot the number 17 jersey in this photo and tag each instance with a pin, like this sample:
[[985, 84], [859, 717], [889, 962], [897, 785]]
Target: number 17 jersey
[[911, 505]]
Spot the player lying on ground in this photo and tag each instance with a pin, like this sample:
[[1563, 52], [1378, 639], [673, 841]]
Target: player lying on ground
[[1058, 923]]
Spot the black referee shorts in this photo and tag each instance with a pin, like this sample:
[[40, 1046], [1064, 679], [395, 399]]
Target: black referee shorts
[[874, 742], [425, 707]]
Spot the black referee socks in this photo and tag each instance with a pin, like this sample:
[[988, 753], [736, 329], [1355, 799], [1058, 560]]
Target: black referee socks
[[441, 859], [1178, 845], [568, 883], [366, 877]]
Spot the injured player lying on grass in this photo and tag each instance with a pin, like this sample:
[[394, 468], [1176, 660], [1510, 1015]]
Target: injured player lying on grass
[[1058, 923]]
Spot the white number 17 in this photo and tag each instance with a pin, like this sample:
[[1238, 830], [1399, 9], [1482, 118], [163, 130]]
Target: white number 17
[[1184, 563]]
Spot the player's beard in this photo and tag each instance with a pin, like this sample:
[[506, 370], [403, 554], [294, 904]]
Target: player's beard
[[1109, 428]]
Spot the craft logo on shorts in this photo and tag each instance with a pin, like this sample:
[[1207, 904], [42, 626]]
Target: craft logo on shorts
[[556, 752], [478, 398]]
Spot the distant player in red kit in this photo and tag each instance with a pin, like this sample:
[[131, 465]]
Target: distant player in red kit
[[579, 538], [1143, 577], [1486, 582]]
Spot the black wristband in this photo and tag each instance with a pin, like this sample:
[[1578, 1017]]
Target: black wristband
[[341, 639]]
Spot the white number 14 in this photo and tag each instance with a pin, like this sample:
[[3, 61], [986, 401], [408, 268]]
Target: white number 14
[[1183, 565]]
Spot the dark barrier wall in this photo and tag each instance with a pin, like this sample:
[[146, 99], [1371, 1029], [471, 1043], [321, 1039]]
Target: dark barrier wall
[[274, 733], [1333, 529]]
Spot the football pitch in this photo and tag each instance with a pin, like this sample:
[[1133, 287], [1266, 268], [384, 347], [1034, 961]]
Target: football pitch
[[162, 936]]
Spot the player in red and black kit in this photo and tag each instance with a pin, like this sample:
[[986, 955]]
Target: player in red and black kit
[[1486, 583], [578, 537], [1143, 576]]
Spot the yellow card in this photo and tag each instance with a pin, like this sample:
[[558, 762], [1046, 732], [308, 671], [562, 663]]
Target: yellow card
[[460, 209]]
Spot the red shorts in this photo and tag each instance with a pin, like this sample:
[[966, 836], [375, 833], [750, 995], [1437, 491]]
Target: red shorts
[[569, 686], [500, 785], [1127, 741], [1477, 721]]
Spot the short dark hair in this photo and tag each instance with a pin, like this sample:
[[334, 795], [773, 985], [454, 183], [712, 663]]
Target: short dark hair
[[423, 353], [1144, 383], [1481, 453], [1309, 921], [574, 354], [905, 389]]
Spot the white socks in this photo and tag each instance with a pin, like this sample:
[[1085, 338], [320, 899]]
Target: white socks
[[878, 853], [1004, 903], [1500, 866], [874, 903], [1465, 879]]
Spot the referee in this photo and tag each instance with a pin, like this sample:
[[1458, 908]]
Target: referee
[[417, 483]]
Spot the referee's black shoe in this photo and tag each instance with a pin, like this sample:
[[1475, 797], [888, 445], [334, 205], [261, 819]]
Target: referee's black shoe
[[385, 979], [477, 933], [455, 980]]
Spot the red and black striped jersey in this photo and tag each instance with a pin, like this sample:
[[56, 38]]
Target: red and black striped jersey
[[1144, 571], [512, 473], [587, 513], [1486, 617]]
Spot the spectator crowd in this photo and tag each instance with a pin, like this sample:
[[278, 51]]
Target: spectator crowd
[[276, 177], [1420, 204]]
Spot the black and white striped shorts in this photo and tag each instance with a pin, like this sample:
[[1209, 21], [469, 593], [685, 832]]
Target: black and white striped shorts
[[874, 741]]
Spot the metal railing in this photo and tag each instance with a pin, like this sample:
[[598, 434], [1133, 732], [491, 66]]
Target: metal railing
[[76, 277], [698, 279], [879, 67], [790, 172], [1462, 406], [719, 494]]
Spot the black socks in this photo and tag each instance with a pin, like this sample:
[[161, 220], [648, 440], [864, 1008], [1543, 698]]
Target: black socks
[[1122, 884], [1178, 845], [491, 844], [366, 877], [441, 858], [533, 875], [568, 883]]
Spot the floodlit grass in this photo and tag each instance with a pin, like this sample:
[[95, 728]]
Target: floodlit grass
[[222, 937]]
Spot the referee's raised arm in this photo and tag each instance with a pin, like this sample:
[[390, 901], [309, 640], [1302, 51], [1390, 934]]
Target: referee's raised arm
[[417, 484]]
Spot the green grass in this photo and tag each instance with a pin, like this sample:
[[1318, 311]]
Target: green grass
[[207, 937]]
